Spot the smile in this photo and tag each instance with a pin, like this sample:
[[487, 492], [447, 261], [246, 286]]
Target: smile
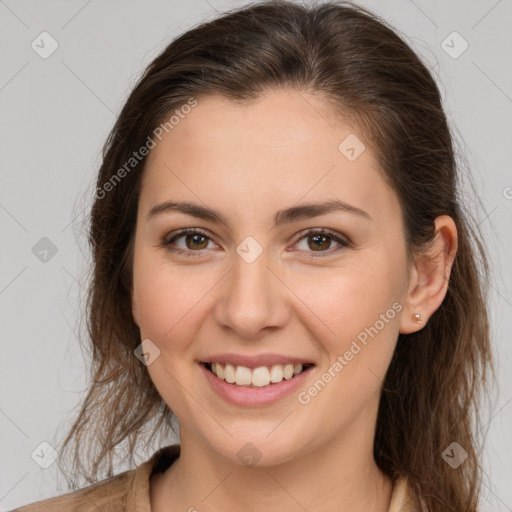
[[257, 386], [260, 376]]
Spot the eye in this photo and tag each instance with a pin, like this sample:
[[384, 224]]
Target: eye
[[195, 240], [319, 239]]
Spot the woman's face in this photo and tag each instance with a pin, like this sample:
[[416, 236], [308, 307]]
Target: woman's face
[[246, 286]]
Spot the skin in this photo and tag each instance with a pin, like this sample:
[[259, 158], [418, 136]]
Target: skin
[[248, 161]]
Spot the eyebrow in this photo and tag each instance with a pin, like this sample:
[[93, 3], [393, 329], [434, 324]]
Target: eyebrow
[[287, 215]]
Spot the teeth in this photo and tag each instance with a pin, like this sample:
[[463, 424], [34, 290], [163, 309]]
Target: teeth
[[242, 376], [259, 377], [219, 370], [288, 371], [276, 373], [229, 373]]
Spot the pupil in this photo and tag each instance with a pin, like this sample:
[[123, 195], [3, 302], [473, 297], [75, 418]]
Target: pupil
[[317, 238], [196, 238]]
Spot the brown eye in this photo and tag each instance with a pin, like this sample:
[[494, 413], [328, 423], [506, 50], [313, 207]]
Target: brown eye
[[194, 242], [320, 241]]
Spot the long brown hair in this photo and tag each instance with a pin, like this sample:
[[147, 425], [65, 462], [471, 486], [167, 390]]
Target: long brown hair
[[356, 62]]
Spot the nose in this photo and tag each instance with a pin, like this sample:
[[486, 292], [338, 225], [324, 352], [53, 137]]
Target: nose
[[253, 299]]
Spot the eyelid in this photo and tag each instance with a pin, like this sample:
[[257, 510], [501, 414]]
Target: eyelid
[[169, 239], [323, 231], [342, 240]]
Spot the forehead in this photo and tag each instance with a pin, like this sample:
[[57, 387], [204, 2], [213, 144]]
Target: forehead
[[271, 152], [276, 120]]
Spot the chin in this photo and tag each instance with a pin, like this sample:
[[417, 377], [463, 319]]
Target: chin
[[257, 450]]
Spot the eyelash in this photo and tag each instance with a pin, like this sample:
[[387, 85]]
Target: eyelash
[[167, 242]]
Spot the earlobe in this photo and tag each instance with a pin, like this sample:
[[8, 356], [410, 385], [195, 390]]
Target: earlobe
[[430, 277]]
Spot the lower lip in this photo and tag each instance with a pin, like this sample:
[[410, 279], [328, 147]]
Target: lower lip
[[254, 396]]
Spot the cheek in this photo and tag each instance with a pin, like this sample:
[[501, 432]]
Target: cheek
[[168, 304], [361, 308], [169, 299], [343, 302]]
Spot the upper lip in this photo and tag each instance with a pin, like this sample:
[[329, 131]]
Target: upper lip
[[256, 360]]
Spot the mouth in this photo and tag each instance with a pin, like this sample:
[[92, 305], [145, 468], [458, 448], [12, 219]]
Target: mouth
[[259, 377]]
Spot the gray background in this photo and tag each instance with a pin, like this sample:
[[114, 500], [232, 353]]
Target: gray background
[[55, 115]]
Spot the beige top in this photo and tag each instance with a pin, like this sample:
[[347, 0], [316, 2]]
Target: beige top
[[129, 491]]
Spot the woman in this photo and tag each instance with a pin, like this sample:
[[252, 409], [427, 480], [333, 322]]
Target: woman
[[281, 262]]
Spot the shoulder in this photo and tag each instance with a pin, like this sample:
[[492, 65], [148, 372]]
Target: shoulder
[[109, 495], [125, 492]]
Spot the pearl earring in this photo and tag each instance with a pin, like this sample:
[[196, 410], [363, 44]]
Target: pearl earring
[[417, 318]]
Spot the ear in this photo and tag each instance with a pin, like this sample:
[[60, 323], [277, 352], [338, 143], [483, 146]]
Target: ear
[[135, 311], [429, 277]]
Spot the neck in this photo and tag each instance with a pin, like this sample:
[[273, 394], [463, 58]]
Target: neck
[[335, 476]]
